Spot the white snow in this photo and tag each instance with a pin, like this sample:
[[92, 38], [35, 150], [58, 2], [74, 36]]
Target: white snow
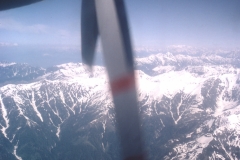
[[210, 123], [6, 64], [104, 126], [228, 81], [234, 121], [229, 154], [58, 131], [33, 103], [168, 84], [205, 140], [192, 148], [189, 135], [62, 97], [5, 117], [15, 152]]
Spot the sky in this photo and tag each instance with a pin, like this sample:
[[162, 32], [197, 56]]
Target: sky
[[204, 23], [53, 26]]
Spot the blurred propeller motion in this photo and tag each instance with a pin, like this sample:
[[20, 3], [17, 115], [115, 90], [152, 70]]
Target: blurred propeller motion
[[107, 18]]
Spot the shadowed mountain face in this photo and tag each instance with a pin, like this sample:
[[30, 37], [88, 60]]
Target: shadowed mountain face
[[189, 105]]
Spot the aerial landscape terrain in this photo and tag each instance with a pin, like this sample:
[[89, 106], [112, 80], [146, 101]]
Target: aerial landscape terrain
[[189, 106], [186, 65]]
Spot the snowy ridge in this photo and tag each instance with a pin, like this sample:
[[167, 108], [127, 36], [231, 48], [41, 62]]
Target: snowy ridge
[[73, 75], [6, 64]]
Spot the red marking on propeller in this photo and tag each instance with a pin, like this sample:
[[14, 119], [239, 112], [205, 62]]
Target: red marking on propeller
[[122, 84]]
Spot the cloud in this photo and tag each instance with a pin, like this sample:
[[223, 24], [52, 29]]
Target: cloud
[[147, 49], [37, 28], [64, 33], [184, 49], [66, 37], [4, 44], [40, 32], [67, 48], [10, 24], [180, 46], [46, 55]]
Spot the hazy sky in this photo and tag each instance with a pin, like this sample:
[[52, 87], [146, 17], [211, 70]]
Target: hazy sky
[[199, 23], [54, 22], [153, 23]]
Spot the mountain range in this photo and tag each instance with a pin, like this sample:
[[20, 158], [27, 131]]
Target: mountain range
[[189, 106]]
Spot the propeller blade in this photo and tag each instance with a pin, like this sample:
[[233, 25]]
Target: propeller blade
[[108, 19], [8, 4], [89, 31]]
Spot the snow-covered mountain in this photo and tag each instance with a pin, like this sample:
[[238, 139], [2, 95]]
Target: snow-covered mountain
[[189, 105]]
